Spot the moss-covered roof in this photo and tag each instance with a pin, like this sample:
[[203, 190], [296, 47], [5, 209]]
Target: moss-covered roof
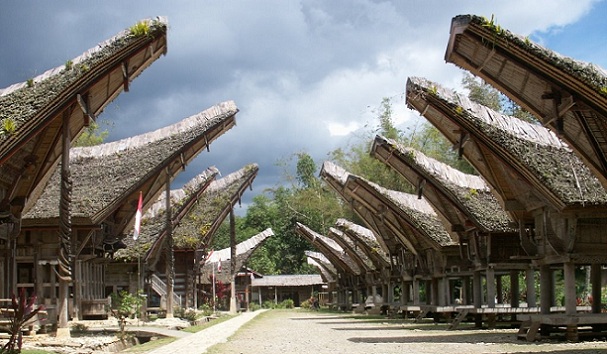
[[528, 148], [358, 254], [104, 175], [153, 221], [589, 73], [244, 250], [23, 101], [468, 192], [366, 239], [333, 251], [414, 211], [319, 261], [199, 226], [568, 96]]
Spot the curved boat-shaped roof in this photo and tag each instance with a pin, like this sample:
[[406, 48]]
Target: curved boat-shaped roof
[[356, 253], [107, 178], [462, 200], [153, 221], [333, 251], [523, 162], [412, 219], [336, 178], [244, 250], [365, 239], [326, 268], [567, 95], [32, 113]]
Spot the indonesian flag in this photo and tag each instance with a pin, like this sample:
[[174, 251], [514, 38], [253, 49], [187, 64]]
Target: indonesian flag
[[219, 266], [138, 217]]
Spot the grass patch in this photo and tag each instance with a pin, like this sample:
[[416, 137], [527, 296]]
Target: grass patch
[[35, 351], [151, 345], [198, 328]]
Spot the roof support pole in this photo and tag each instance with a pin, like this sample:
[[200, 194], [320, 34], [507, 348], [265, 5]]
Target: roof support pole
[[65, 230], [232, 262], [169, 257]]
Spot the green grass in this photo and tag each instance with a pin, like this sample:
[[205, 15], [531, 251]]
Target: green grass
[[151, 345], [194, 329], [35, 351]]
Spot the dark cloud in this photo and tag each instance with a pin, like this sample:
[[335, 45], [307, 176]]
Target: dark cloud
[[294, 68]]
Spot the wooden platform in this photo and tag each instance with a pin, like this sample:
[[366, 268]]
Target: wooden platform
[[537, 326]]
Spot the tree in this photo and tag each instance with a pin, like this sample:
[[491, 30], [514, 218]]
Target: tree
[[93, 135]]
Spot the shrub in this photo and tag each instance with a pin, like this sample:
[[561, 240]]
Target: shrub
[[287, 304], [254, 306]]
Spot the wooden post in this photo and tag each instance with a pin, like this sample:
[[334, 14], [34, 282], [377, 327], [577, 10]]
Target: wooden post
[[477, 292], [514, 289], [546, 288], [530, 284], [491, 291], [415, 285], [65, 233], [233, 308], [595, 278], [169, 257], [570, 299], [499, 288]]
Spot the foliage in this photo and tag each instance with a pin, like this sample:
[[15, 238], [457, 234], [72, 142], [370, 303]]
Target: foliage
[[141, 28], [206, 309], [253, 306], [125, 305], [21, 311], [185, 314], [285, 304], [9, 126], [78, 328], [93, 134]]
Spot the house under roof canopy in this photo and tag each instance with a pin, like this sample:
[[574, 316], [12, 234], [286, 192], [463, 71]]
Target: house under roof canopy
[[365, 239], [566, 95]]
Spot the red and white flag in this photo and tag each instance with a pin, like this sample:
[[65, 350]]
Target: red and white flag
[[138, 217]]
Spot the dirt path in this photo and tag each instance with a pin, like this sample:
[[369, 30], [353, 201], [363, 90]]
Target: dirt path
[[288, 332]]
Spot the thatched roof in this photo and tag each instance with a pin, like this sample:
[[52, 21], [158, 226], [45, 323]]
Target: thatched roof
[[567, 95], [244, 250], [107, 178], [333, 251], [366, 240], [32, 113], [458, 198], [526, 151], [336, 178], [323, 262], [349, 246], [198, 227], [412, 219], [288, 280], [325, 273], [153, 221]]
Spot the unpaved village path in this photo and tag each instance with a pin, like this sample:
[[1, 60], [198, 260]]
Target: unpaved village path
[[293, 332]]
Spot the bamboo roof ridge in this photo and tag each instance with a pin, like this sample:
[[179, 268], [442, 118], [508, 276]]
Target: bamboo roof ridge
[[326, 276], [333, 251], [153, 221], [457, 196], [107, 176], [356, 253], [33, 112], [424, 230], [366, 239], [534, 152], [565, 94], [244, 250]]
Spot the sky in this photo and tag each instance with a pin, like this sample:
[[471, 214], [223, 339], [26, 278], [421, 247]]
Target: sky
[[307, 76]]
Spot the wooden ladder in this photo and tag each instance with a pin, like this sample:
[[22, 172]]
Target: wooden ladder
[[458, 319], [422, 313], [529, 330]]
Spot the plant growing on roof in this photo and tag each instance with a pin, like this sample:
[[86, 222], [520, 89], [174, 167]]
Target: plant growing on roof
[[603, 90], [141, 28], [69, 65], [9, 126], [30, 82]]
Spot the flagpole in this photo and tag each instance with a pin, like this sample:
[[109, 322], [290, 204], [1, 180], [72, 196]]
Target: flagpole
[[214, 300]]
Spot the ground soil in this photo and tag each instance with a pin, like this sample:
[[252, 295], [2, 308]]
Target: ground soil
[[283, 331]]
